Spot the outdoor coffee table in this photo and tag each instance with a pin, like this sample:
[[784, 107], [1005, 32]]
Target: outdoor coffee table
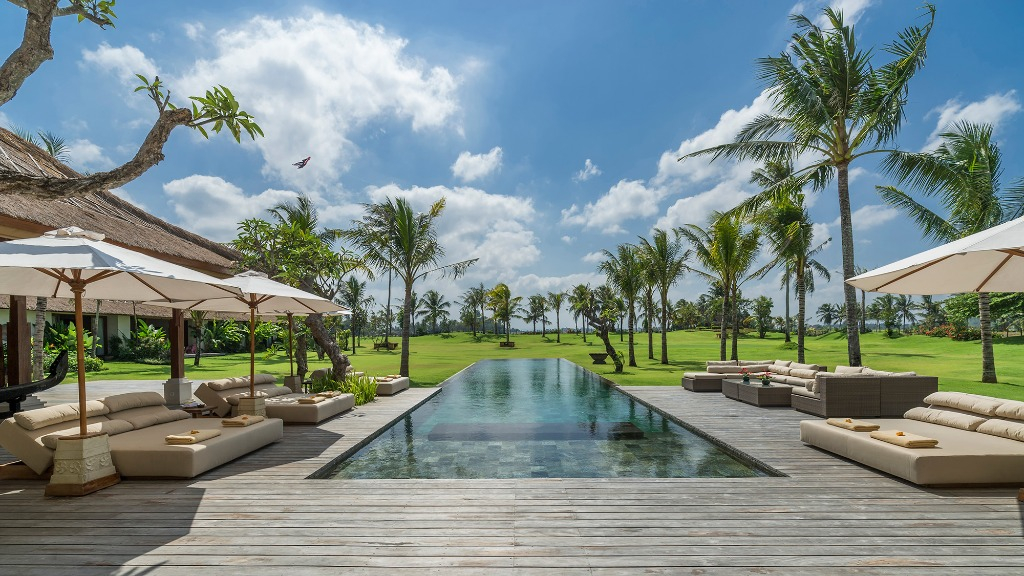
[[756, 393]]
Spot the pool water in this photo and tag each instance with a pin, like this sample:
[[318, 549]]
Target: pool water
[[536, 418]]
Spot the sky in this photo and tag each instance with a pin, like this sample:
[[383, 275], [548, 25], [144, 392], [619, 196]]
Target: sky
[[552, 128]]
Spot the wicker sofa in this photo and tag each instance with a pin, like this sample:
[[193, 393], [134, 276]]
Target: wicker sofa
[[224, 394], [782, 372], [137, 424], [863, 393], [980, 441]]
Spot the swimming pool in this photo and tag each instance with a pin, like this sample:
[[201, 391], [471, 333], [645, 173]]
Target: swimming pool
[[536, 418]]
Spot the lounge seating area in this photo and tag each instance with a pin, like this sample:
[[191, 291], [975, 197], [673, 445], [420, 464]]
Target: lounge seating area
[[138, 424], [223, 397], [974, 440], [386, 385]]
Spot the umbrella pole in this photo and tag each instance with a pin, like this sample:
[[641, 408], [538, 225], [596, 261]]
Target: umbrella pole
[[291, 354], [77, 287], [252, 351]]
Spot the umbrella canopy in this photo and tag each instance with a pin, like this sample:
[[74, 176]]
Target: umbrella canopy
[[260, 296], [72, 262], [990, 261]]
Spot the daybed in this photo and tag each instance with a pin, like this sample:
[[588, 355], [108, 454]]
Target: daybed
[[223, 395], [980, 441], [138, 423], [718, 370], [386, 385], [863, 393]]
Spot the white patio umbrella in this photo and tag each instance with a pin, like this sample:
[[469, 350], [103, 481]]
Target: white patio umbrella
[[260, 296], [74, 263], [990, 261]]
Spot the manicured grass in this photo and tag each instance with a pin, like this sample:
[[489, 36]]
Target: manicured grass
[[434, 358]]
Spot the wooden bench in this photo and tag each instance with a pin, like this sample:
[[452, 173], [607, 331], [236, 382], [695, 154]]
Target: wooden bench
[[385, 345]]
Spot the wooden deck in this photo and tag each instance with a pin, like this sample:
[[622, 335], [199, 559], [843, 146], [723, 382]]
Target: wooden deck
[[259, 515]]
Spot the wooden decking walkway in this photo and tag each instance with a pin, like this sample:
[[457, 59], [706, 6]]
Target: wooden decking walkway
[[259, 515]]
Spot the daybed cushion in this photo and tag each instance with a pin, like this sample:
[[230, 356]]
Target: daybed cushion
[[393, 387], [961, 457], [288, 408], [110, 427], [1004, 428], [147, 416], [1011, 409], [782, 363], [704, 376], [145, 452], [959, 420], [963, 401], [720, 363], [43, 417], [849, 369], [26, 444], [129, 400]]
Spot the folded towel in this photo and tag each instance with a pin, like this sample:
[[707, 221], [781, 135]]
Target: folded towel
[[311, 400], [905, 439], [383, 379], [394, 375], [329, 394], [192, 437], [851, 424], [244, 420]]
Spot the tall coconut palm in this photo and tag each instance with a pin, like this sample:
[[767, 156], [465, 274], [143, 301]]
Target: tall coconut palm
[[625, 271], [395, 238], [555, 300], [432, 308], [665, 261], [354, 297], [649, 310], [505, 306], [579, 299], [726, 251], [475, 299], [834, 106], [905, 308], [963, 175]]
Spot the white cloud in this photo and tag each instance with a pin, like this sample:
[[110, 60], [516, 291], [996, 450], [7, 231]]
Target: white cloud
[[331, 77], [992, 110], [469, 167], [533, 284], [124, 62], [88, 156], [127, 197], [868, 217], [589, 171], [697, 208], [194, 30], [626, 200], [851, 9], [476, 224], [568, 239], [213, 207], [593, 257]]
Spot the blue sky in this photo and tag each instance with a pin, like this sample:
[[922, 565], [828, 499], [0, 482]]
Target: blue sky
[[551, 127]]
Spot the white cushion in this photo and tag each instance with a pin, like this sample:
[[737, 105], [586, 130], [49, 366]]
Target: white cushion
[[147, 416], [802, 373], [1011, 409], [871, 372], [963, 401], [849, 369], [1003, 428], [43, 417], [967, 422], [754, 362], [228, 383], [784, 363], [110, 427], [720, 363], [131, 400]]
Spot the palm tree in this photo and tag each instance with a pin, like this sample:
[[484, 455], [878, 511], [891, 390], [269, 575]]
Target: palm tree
[[599, 310], [963, 174], [555, 299], [475, 299], [905, 307], [726, 252], [504, 305], [826, 314], [579, 300], [198, 318], [394, 238], [433, 307], [625, 271], [354, 297], [832, 104], [536, 310], [665, 261]]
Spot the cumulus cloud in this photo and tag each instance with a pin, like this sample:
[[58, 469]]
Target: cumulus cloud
[[331, 77], [477, 224], [992, 110], [123, 63], [568, 239], [89, 156], [212, 207], [469, 167], [697, 208], [534, 284], [852, 11], [194, 30], [589, 171], [626, 200], [868, 217], [593, 257]]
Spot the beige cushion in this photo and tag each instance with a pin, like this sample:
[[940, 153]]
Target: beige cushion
[[963, 401], [802, 373], [811, 386], [93, 408], [784, 363], [130, 400], [147, 416], [753, 362], [43, 417], [776, 369], [265, 379], [721, 369], [1004, 428], [849, 369], [110, 427], [720, 363], [945, 418], [1011, 409], [799, 366], [871, 372], [801, 391], [228, 383], [904, 374]]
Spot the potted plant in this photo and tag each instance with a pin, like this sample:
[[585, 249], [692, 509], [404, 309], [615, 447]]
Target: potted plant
[[766, 379], [746, 375]]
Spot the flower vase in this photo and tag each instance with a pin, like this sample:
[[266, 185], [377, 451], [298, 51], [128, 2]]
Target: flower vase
[[746, 379], [766, 382]]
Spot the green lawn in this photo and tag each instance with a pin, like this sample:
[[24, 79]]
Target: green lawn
[[434, 358]]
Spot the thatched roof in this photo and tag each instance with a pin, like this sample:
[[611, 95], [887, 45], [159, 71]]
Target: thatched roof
[[122, 222]]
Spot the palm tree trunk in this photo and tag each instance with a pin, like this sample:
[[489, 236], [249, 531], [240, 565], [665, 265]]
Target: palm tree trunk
[[403, 369], [40, 336], [735, 325], [849, 292], [988, 359], [801, 314], [787, 308], [632, 321], [664, 327], [722, 338], [558, 327]]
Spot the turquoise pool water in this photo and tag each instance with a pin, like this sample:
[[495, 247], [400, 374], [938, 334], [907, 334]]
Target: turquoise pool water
[[536, 418]]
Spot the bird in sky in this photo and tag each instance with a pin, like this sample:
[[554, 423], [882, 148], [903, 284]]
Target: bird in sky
[[301, 163]]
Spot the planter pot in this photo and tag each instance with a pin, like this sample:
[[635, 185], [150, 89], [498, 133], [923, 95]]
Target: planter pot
[[510, 344], [599, 357]]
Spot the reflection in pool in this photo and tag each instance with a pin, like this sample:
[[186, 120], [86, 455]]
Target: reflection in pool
[[536, 418]]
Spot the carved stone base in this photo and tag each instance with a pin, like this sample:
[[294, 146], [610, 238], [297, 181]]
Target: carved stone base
[[177, 391], [293, 382], [82, 465], [252, 406]]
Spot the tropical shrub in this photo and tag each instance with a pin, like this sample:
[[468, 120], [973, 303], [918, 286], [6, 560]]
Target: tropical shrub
[[223, 336]]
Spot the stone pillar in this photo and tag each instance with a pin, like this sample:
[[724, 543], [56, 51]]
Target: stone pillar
[[178, 389], [252, 406], [19, 343], [82, 465]]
